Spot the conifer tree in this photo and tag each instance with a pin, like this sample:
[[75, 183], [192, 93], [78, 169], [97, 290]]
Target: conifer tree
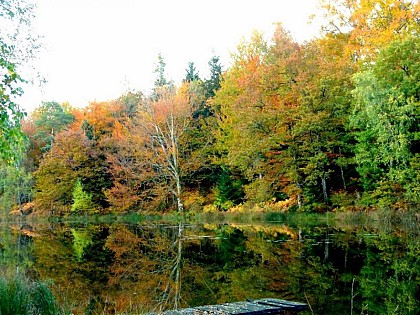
[[192, 73], [82, 200], [213, 83]]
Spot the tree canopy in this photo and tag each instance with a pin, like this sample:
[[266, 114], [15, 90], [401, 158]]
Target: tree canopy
[[332, 123]]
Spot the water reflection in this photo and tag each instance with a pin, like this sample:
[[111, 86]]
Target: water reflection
[[174, 279], [137, 268]]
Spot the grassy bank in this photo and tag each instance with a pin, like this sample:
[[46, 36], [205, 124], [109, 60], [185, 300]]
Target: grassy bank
[[382, 219], [20, 295]]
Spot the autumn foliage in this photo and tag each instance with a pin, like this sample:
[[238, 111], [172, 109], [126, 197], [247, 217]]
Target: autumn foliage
[[326, 124]]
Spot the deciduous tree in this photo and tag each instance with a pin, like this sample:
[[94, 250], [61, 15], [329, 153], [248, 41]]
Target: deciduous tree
[[164, 121], [73, 156], [386, 116]]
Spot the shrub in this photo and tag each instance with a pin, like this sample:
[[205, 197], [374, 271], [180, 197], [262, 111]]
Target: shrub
[[82, 201]]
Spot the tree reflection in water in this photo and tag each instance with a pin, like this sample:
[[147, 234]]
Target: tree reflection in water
[[174, 279], [137, 268]]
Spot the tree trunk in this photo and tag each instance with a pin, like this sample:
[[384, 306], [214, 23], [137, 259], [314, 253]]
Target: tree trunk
[[165, 120], [180, 205], [174, 283], [324, 187], [342, 172], [177, 297], [326, 249]]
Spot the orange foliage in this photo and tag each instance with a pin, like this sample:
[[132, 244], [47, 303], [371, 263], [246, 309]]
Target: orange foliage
[[371, 25]]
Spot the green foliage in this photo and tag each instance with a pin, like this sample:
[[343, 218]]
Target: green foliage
[[244, 123], [11, 137], [88, 129], [18, 46], [82, 200], [22, 296], [212, 84], [160, 72], [192, 73], [258, 191], [413, 185], [228, 191], [384, 120], [15, 186], [50, 119], [386, 117], [389, 278], [161, 82], [82, 239]]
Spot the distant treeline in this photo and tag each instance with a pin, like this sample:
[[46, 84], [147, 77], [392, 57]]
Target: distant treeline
[[329, 124]]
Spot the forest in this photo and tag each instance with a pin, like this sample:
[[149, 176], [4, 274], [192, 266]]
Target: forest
[[327, 125]]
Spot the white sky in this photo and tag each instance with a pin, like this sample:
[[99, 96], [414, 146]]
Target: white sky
[[96, 49]]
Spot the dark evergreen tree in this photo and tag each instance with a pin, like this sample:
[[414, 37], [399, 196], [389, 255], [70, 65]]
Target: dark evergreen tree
[[88, 129], [50, 118], [161, 82], [229, 189], [213, 83], [160, 72], [192, 73]]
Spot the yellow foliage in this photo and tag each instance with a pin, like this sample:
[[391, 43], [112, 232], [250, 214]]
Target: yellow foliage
[[267, 229], [268, 206], [193, 201], [210, 208]]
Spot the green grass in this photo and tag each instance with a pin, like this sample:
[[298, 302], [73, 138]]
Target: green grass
[[21, 296], [289, 218]]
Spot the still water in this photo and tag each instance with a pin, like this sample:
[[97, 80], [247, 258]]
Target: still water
[[150, 266]]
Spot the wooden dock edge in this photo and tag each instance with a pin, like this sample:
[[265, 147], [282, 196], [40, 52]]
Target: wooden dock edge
[[250, 307]]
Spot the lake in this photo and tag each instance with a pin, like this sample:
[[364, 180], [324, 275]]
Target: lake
[[115, 268]]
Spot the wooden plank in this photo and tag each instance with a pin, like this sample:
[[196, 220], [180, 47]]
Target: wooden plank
[[287, 305], [258, 307], [244, 308]]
